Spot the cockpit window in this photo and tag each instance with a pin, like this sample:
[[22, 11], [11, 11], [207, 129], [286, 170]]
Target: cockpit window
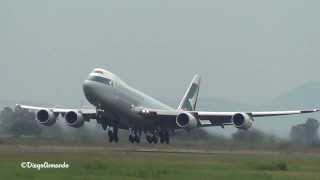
[[101, 80]]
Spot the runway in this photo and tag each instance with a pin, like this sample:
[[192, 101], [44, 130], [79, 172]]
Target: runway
[[133, 148]]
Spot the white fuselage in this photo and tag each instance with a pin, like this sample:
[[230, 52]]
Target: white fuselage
[[106, 91]]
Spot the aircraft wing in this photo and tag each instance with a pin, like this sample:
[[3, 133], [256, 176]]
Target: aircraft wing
[[87, 113], [206, 119], [282, 113]]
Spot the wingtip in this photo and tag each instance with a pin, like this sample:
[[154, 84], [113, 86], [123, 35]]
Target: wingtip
[[197, 78]]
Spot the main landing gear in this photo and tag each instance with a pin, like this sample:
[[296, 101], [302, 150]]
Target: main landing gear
[[134, 136], [164, 137], [154, 137]]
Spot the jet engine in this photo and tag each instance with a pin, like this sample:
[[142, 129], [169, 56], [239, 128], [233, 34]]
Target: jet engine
[[46, 117], [186, 120], [242, 121], [74, 119]]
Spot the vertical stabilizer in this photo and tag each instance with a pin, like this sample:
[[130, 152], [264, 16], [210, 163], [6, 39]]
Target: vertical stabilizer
[[189, 101]]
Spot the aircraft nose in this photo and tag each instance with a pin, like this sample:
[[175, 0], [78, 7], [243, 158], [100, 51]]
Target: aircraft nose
[[86, 86], [88, 90]]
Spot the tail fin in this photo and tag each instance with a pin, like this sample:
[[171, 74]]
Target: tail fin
[[189, 101]]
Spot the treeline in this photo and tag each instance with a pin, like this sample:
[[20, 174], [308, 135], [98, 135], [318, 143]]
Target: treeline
[[239, 138], [19, 122], [305, 134]]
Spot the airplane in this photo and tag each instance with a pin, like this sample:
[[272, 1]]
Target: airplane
[[119, 106]]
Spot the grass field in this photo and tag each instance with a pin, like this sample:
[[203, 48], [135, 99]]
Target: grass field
[[127, 165]]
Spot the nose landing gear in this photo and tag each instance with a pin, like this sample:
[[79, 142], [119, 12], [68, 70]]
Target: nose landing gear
[[112, 131], [113, 134]]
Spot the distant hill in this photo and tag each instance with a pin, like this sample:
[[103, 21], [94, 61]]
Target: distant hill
[[6, 103], [306, 95], [220, 104]]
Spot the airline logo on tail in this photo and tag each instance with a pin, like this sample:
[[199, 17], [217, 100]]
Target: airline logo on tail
[[190, 99]]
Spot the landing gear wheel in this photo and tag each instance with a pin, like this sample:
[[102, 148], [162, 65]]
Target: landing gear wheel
[[155, 139], [137, 136], [149, 139], [115, 135], [110, 135], [116, 139], [161, 136], [137, 139], [131, 139], [167, 140], [134, 136], [167, 137]]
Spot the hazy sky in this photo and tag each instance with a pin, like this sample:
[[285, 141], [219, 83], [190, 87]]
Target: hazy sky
[[249, 51]]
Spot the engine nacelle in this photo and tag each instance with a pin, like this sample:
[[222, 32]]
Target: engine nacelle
[[74, 119], [186, 120], [46, 117], [242, 121]]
